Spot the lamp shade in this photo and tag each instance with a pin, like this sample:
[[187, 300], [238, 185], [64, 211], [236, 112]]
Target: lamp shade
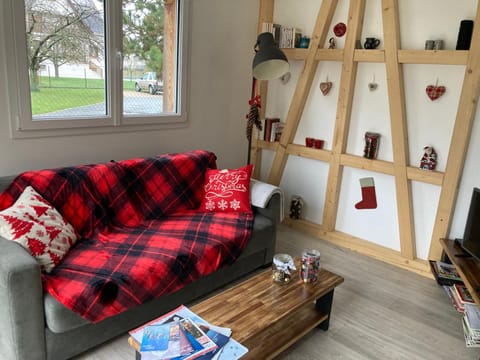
[[269, 62]]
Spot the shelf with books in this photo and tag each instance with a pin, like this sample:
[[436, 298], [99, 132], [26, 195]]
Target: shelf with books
[[467, 267]]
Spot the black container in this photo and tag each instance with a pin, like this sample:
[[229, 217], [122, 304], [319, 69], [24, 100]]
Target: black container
[[465, 35]]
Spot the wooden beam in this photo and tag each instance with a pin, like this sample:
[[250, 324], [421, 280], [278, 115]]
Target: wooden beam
[[459, 143], [265, 14], [169, 56], [359, 162], [344, 108], [425, 176], [370, 56], [444, 57], [396, 96], [309, 153], [302, 89], [364, 247]]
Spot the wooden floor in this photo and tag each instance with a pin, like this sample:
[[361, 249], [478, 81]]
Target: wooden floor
[[379, 312]]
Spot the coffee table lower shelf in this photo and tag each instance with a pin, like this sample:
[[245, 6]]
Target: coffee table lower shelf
[[281, 335]]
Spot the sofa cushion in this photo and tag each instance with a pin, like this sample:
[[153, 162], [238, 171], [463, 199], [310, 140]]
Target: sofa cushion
[[227, 190], [38, 227], [70, 190]]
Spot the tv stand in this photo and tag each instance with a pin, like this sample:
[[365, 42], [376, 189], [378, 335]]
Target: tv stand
[[467, 267], [463, 255]]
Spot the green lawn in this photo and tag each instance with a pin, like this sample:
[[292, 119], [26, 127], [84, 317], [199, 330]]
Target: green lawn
[[66, 93]]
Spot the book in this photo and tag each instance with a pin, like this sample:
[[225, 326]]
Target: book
[[463, 294], [219, 339], [154, 347], [445, 274], [201, 343], [471, 339], [296, 37], [453, 298], [155, 337], [231, 351], [268, 127], [191, 334], [277, 129], [472, 317], [274, 29]]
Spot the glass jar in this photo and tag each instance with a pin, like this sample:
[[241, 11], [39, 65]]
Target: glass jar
[[310, 266], [281, 267]]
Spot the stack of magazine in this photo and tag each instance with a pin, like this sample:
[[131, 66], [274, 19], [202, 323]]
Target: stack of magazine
[[459, 295], [183, 335], [444, 273], [471, 325]]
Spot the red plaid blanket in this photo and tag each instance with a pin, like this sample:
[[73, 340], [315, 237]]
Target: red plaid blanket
[[125, 267], [141, 237], [91, 197]]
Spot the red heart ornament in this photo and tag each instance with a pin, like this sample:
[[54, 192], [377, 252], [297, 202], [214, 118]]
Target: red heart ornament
[[325, 87], [434, 91]]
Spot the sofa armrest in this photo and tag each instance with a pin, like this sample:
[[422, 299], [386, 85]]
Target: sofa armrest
[[21, 304], [272, 210], [267, 200]]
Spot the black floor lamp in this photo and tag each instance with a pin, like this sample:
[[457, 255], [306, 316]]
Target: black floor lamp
[[269, 63]]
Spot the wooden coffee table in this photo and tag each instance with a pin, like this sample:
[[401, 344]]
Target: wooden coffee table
[[267, 317]]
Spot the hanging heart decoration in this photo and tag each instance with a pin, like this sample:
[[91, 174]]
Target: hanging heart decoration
[[325, 87], [435, 91], [340, 29]]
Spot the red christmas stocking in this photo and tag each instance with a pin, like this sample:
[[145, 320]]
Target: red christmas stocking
[[369, 199]]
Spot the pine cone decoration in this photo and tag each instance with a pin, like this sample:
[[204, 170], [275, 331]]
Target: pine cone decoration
[[253, 117]]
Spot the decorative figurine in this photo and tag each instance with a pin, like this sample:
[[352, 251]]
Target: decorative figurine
[[371, 145], [331, 43], [429, 158], [296, 206]]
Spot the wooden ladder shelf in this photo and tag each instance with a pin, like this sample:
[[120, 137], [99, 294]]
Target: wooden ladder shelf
[[393, 57]]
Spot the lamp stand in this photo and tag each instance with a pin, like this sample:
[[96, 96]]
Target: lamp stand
[[253, 118]]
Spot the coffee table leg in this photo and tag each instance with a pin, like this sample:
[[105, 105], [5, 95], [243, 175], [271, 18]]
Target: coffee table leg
[[324, 305]]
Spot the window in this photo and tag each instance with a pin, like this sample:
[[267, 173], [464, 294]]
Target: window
[[95, 65]]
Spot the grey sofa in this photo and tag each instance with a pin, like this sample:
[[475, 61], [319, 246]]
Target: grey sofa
[[35, 326]]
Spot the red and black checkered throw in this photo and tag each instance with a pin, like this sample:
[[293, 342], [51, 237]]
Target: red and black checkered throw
[[142, 236]]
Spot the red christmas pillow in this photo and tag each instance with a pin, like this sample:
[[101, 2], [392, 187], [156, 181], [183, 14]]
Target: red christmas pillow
[[38, 227], [227, 190]]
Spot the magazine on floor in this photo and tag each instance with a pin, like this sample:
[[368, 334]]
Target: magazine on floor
[[190, 337]]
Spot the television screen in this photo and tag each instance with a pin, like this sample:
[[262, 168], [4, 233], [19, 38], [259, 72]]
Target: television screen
[[471, 236]]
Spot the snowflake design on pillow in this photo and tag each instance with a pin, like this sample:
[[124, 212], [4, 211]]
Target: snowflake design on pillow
[[227, 190], [36, 225]]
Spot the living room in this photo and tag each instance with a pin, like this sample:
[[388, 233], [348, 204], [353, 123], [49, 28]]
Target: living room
[[222, 35]]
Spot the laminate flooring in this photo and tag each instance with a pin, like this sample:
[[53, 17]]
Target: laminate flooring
[[380, 312]]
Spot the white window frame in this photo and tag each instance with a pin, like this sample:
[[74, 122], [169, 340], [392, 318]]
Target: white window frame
[[22, 125]]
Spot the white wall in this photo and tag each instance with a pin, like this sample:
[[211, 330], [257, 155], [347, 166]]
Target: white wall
[[222, 37], [223, 33], [429, 123]]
